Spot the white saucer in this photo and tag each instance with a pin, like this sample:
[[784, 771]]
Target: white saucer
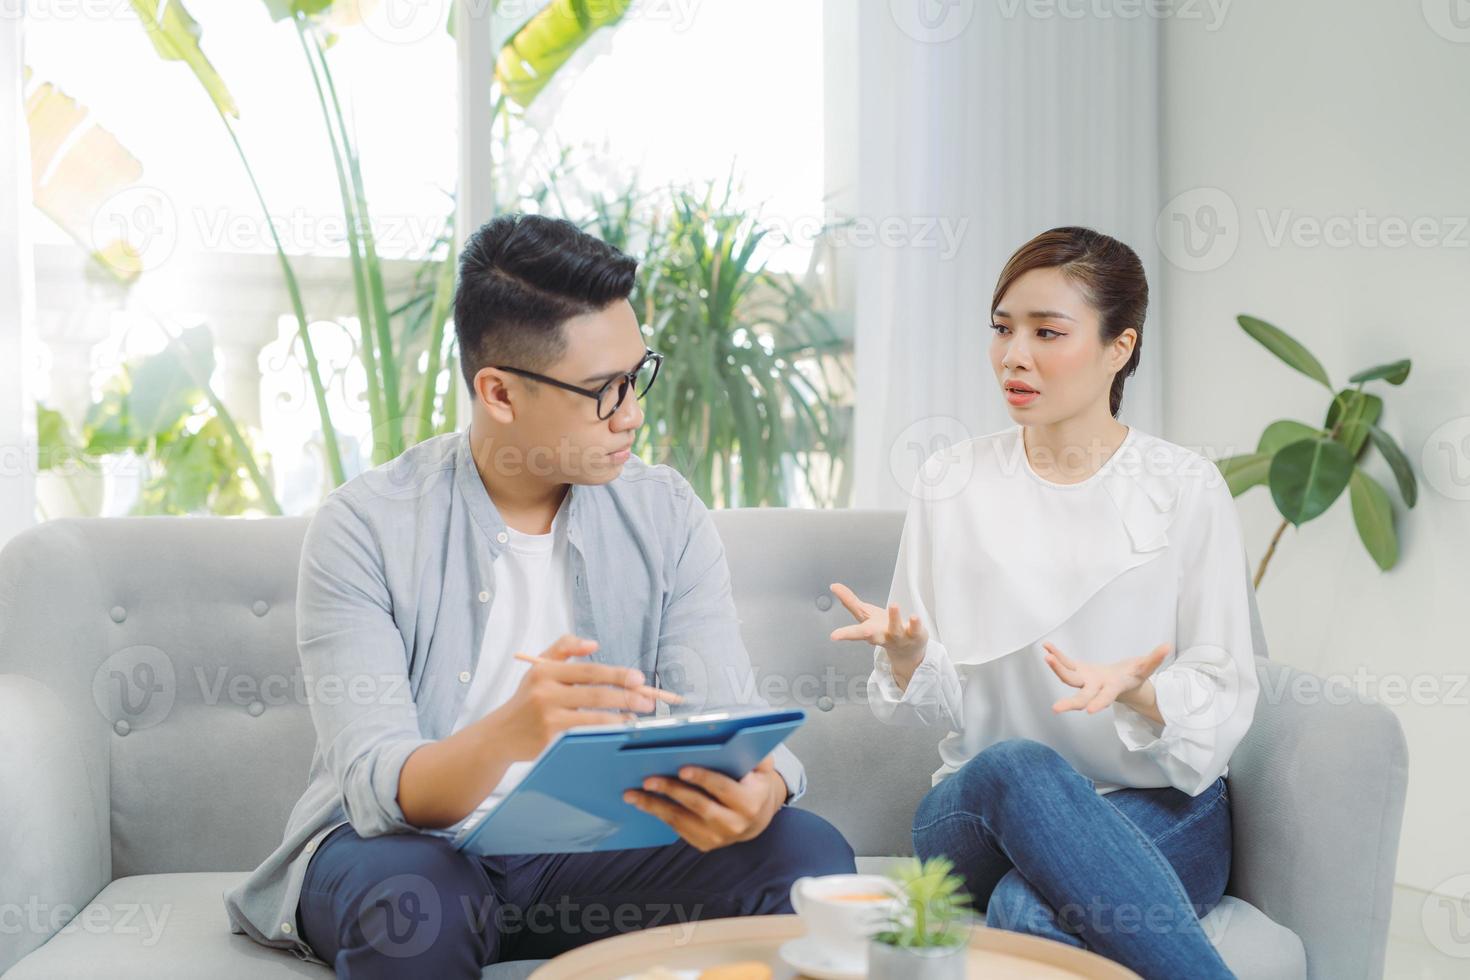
[[812, 960]]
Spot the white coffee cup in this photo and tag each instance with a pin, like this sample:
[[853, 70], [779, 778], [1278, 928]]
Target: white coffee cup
[[838, 913]]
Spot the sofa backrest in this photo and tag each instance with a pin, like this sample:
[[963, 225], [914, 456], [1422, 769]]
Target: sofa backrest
[[172, 640]]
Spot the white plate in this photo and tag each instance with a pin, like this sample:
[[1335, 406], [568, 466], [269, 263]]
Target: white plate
[[813, 961]]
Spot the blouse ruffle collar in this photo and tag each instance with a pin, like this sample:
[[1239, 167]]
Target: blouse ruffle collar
[[1037, 551]]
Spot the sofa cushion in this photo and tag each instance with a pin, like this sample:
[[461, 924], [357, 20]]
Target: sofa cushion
[[164, 926]]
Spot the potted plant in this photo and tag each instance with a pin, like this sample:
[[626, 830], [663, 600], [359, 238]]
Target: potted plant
[[1307, 467], [926, 938]]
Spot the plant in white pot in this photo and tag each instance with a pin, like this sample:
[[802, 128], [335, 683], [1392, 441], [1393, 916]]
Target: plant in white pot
[[928, 934]]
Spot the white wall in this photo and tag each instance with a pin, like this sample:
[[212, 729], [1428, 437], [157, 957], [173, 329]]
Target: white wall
[[1311, 109]]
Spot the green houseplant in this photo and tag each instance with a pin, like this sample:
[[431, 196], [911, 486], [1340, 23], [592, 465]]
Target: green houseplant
[[749, 400], [1307, 467], [406, 402], [926, 937]]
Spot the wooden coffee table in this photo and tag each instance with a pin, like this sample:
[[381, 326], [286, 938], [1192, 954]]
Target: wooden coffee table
[[994, 953]]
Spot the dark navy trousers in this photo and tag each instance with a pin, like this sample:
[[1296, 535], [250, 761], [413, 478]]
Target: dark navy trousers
[[411, 905]]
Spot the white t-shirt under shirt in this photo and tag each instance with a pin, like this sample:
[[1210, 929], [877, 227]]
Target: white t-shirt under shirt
[[531, 610]]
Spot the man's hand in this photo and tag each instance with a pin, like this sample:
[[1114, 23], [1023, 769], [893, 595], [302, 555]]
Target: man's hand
[[709, 809], [1102, 684], [556, 694]]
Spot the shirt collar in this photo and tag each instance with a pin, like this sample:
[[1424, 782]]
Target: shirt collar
[[477, 498]]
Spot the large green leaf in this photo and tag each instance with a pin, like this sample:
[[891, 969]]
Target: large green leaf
[[1395, 374], [1246, 471], [175, 36], [76, 168], [1283, 432], [1286, 347], [1403, 473], [1358, 411], [530, 58], [1374, 518], [1307, 476]]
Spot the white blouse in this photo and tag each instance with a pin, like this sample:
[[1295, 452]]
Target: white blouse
[[996, 560]]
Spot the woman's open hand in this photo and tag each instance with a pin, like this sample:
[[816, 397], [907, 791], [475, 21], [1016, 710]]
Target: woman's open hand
[[886, 628], [1102, 684]]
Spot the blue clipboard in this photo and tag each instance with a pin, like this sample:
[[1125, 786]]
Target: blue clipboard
[[572, 799]]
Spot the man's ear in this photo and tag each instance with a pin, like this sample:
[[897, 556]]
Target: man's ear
[[493, 392]]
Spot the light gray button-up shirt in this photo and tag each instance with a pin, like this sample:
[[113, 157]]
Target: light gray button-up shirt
[[395, 587]]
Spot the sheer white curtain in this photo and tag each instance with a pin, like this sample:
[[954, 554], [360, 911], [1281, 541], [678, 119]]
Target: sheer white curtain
[[974, 126], [17, 420]]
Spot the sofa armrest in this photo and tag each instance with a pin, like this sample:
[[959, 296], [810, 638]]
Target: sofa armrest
[[1317, 798], [55, 847]]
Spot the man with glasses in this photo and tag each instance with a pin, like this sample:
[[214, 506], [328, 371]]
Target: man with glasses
[[535, 531]]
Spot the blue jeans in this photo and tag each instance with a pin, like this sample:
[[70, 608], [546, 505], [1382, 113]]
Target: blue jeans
[[1127, 875], [410, 905]]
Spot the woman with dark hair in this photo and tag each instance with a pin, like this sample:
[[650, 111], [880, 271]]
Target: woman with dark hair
[[1071, 601]]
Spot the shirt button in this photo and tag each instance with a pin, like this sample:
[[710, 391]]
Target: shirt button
[[286, 928], [464, 677], [484, 597], [502, 537]]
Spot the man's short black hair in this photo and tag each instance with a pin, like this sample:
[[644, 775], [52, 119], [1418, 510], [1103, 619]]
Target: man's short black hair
[[521, 276]]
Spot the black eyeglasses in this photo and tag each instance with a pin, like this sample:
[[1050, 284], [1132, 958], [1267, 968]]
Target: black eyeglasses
[[638, 380]]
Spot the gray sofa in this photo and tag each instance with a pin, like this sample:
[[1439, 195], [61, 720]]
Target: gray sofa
[[153, 741]]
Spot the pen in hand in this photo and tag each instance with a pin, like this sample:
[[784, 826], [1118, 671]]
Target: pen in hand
[[668, 697]]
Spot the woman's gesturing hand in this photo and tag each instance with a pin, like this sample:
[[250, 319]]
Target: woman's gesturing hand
[[886, 628], [1102, 684]]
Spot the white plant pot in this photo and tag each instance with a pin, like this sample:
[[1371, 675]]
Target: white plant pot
[[887, 962]]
